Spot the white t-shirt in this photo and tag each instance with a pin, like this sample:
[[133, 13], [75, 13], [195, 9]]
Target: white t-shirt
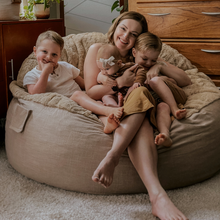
[[61, 82]]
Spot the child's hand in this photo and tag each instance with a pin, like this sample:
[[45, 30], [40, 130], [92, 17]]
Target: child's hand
[[47, 67], [105, 80], [136, 85]]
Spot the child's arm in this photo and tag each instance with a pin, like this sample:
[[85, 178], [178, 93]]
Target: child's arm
[[140, 76], [41, 85], [80, 81]]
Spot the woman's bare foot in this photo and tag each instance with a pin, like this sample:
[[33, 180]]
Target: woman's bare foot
[[120, 100], [180, 114], [163, 139], [111, 124], [164, 209], [104, 172]]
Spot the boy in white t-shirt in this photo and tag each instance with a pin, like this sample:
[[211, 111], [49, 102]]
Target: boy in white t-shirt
[[52, 75]]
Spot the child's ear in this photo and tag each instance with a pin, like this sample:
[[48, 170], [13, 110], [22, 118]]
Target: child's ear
[[34, 49], [133, 52]]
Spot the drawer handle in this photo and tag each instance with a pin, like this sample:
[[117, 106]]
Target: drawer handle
[[211, 13], [12, 69], [211, 51], [158, 14]]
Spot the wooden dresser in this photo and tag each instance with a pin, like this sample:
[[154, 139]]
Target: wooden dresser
[[191, 27], [17, 39]]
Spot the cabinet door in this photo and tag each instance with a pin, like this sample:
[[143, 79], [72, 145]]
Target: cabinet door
[[3, 103], [19, 39]]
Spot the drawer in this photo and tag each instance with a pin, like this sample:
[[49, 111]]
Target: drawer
[[205, 56], [199, 20]]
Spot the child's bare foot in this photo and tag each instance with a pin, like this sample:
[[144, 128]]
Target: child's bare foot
[[118, 112], [120, 99], [164, 209], [111, 124], [104, 172], [163, 139], [180, 114]]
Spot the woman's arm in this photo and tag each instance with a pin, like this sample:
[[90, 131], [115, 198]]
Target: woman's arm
[[91, 71], [170, 71], [175, 73]]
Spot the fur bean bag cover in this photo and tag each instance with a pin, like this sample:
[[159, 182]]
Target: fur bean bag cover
[[51, 139]]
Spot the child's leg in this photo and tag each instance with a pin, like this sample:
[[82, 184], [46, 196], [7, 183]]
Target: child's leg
[[98, 108], [159, 86], [110, 123], [110, 100], [163, 124]]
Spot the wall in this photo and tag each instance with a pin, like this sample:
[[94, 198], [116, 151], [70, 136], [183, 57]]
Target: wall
[[88, 16]]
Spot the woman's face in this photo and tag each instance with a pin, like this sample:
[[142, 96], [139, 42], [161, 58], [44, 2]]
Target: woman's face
[[126, 34], [146, 58]]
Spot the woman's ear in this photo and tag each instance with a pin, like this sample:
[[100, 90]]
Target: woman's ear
[[133, 52]]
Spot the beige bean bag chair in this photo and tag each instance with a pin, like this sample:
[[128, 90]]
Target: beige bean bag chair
[[52, 140]]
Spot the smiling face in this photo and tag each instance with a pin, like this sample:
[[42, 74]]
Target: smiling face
[[146, 58], [126, 34], [47, 52]]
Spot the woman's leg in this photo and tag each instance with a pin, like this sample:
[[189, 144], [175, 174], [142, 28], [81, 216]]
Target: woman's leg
[[159, 86], [163, 124], [122, 137], [143, 154], [98, 108]]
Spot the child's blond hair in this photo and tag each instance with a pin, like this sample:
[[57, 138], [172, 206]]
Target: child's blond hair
[[148, 41], [51, 35], [108, 50]]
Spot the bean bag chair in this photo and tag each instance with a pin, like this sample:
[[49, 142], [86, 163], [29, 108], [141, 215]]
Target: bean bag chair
[[52, 140]]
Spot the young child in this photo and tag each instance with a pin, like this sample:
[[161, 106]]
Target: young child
[[52, 75], [167, 93]]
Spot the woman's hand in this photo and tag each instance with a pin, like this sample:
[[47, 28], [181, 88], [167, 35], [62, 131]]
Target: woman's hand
[[128, 78], [105, 80], [152, 72]]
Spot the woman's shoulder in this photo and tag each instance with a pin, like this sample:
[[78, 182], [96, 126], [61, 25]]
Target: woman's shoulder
[[95, 46]]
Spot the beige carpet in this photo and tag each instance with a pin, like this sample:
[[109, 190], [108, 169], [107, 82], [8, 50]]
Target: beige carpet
[[22, 198]]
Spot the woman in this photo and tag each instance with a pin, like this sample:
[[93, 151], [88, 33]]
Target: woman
[[135, 131]]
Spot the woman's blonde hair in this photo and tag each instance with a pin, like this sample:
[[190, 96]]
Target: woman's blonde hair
[[127, 15], [148, 41], [51, 35]]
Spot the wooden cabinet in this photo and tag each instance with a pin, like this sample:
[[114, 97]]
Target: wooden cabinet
[[17, 39], [190, 26]]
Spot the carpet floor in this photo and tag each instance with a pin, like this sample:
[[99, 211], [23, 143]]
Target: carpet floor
[[25, 199]]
